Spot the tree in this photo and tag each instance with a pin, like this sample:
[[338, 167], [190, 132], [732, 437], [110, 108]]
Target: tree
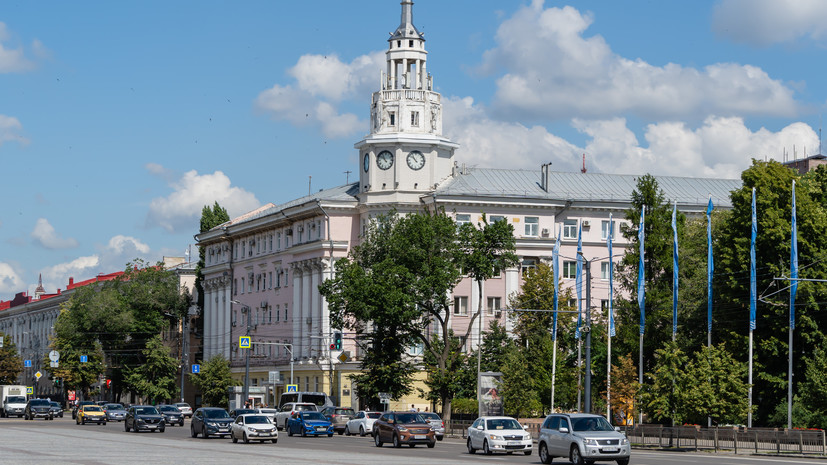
[[663, 396], [210, 218], [495, 345], [213, 381], [715, 387], [155, 379], [517, 386], [625, 388], [11, 365]]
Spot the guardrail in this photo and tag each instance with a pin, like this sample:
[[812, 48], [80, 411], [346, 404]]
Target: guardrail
[[735, 439]]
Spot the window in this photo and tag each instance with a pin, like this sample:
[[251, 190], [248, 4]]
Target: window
[[415, 118], [532, 225], [393, 118], [495, 218], [271, 279], [416, 349], [271, 242], [528, 264], [604, 270], [461, 305], [463, 219], [604, 230], [242, 286], [285, 312], [243, 248], [569, 269], [258, 247], [278, 241], [604, 305], [317, 384], [572, 303], [235, 286], [271, 315], [570, 229], [235, 250], [278, 314], [494, 305]]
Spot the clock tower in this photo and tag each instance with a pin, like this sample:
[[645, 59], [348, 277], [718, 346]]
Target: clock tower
[[405, 154]]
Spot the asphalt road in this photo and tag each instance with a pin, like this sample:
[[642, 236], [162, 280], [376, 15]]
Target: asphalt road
[[61, 441]]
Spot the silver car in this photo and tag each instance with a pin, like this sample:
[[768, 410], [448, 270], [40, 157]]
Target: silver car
[[582, 438], [436, 423], [185, 409], [114, 412], [362, 423], [498, 434]]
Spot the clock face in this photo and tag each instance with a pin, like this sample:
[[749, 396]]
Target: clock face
[[366, 162], [416, 160], [384, 160]]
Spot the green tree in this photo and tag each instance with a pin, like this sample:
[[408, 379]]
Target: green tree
[[210, 218], [495, 344], [213, 381], [663, 398], [715, 387], [155, 379], [625, 387], [11, 365], [518, 387]]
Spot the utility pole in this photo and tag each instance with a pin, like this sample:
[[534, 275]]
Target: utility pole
[[184, 352]]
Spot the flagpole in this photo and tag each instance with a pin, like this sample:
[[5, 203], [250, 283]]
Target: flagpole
[[611, 330], [641, 299], [556, 265], [710, 267], [577, 335], [752, 304], [793, 291]]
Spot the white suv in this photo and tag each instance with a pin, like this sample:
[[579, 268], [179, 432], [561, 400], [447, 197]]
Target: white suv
[[582, 438], [288, 409]]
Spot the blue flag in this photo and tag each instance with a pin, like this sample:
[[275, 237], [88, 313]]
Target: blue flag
[[675, 269], [710, 264], [793, 264], [753, 303], [578, 279], [641, 293], [611, 273], [555, 259]]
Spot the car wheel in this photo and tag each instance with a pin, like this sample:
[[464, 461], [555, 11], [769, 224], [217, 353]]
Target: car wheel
[[275, 441], [204, 432], [544, 457], [575, 457], [439, 438], [340, 432], [623, 461], [431, 445], [181, 423], [396, 442], [246, 439], [331, 435], [161, 429], [192, 432], [376, 439], [103, 423], [362, 431], [235, 439], [485, 448], [304, 432], [83, 421], [470, 447], [125, 427]]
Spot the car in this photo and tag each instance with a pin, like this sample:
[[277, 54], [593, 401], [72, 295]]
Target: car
[[172, 416], [38, 408], [209, 421], [339, 416], [309, 423], [270, 412], [79, 405], [243, 411], [289, 409], [436, 422], [57, 410], [362, 423], [143, 417], [91, 414], [114, 412], [253, 427], [401, 428], [185, 409], [101, 403], [498, 434], [582, 438]]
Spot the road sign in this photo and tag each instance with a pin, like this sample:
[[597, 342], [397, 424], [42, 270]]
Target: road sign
[[38, 375], [54, 355], [196, 369], [29, 390], [244, 342], [343, 357], [384, 397], [292, 388], [27, 363], [274, 377], [53, 364], [84, 359]]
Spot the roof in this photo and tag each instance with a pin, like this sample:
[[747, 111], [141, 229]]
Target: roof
[[488, 182]]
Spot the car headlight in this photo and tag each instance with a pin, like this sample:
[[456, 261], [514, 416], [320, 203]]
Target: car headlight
[[212, 423], [590, 442], [495, 437], [624, 441], [402, 428]]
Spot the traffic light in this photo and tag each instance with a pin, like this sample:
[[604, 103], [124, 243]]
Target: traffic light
[[57, 382], [337, 341]]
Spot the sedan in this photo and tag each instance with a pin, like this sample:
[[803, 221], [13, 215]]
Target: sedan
[[403, 428], [243, 411], [208, 421], [185, 409], [90, 414], [362, 423], [254, 427], [308, 423], [436, 422], [498, 434], [114, 412], [339, 416], [143, 417], [172, 416], [56, 409]]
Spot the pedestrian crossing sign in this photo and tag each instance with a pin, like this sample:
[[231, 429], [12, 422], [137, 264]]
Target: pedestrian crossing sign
[[244, 342], [292, 388], [29, 390]]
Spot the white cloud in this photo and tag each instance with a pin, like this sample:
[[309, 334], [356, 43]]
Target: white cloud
[[322, 83], [13, 60], [10, 280], [182, 208], [10, 129], [766, 22], [44, 234], [552, 70], [120, 244]]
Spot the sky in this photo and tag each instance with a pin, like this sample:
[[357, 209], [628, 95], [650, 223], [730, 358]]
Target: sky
[[120, 120]]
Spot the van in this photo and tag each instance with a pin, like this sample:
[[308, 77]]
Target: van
[[319, 398]]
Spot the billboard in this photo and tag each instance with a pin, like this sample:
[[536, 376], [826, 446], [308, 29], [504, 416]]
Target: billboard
[[491, 404]]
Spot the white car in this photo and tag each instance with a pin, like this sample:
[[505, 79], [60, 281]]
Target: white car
[[185, 409], [362, 423], [498, 434], [270, 412], [253, 427], [288, 409]]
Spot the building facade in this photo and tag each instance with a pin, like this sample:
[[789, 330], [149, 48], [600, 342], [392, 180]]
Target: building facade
[[263, 268]]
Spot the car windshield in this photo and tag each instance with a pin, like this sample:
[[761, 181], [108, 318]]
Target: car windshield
[[257, 420], [92, 408], [344, 411], [268, 410], [316, 399], [313, 416], [430, 416], [182, 405], [54, 404], [244, 411], [39, 402], [16, 400], [503, 423], [302, 408], [591, 424], [113, 407], [408, 418], [146, 411], [217, 413], [373, 415], [169, 408]]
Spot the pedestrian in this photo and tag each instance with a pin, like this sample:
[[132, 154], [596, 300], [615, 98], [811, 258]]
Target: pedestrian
[[413, 408]]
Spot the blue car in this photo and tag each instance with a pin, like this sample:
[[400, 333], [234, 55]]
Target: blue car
[[309, 423]]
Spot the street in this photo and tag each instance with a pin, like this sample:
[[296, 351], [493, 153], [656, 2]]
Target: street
[[62, 441]]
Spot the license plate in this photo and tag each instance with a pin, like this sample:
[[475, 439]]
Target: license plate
[[420, 436], [514, 443], [611, 451], [223, 429]]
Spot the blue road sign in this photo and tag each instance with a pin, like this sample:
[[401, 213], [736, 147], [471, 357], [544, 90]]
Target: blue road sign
[[292, 388], [27, 363], [244, 342], [84, 359], [196, 368]]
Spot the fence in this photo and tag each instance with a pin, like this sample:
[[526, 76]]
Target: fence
[[752, 440]]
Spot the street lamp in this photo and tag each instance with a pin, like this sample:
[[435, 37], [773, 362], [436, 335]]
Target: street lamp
[[246, 309]]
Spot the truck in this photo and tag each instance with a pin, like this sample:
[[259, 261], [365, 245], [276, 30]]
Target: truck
[[14, 400]]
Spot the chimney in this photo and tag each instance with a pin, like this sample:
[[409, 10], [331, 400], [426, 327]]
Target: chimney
[[544, 177], [71, 281]]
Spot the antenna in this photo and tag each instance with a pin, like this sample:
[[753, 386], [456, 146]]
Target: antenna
[[347, 176], [309, 185], [583, 169]]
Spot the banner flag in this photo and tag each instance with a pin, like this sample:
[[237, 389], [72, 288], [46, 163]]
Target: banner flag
[[710, 264], [752, 293], [611, 276], [641, 293], [793, 264], [578, 280], [555, 259], [675, 269]]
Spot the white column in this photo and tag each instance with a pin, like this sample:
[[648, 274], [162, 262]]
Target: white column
[[207, 321], [306, 311], [424, 76], [222, 313], [512, 284], [216, 340], [327, 272], [296, 313], [316, 307]]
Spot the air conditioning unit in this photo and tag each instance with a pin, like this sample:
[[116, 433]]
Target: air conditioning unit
[[586, 223], [309, 320], [544, 232], [300, 228]]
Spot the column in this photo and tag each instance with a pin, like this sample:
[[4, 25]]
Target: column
[[327, 273], [316, 308], [424, 76], [306, 310], [221, 347], [512, 284], [228, 295], [295, 311]]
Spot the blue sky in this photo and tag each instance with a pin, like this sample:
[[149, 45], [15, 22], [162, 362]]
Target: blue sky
[[119, 121]]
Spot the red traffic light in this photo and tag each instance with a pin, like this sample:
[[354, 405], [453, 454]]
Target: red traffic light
[[332, 346]]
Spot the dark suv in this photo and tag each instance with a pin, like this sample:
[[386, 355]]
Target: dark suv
[[208, 421], [38, 408], [144, 417], [172, 416]]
